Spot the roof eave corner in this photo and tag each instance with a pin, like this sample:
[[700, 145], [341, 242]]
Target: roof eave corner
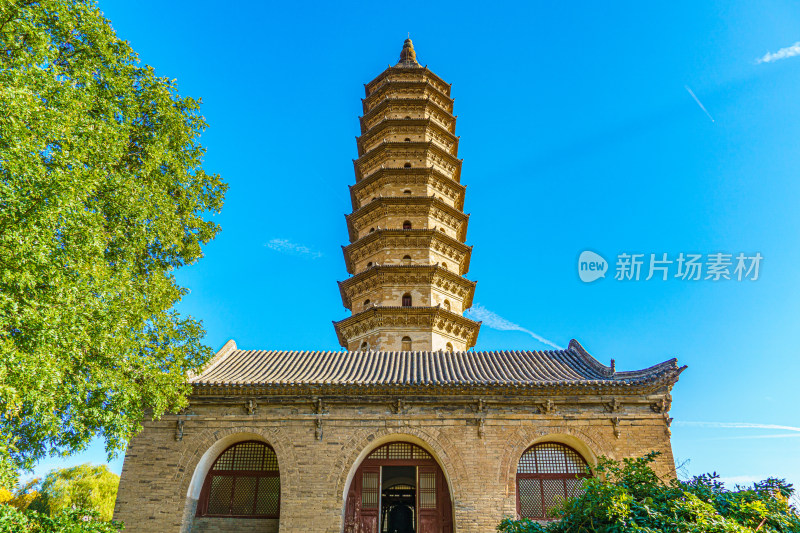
[[576, 346], [221, 354]]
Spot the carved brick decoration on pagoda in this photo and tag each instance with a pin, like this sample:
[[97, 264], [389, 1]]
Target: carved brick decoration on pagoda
[[407, 253]]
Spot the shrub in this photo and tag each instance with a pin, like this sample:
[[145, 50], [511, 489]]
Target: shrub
[[12, 520], [628, 497]]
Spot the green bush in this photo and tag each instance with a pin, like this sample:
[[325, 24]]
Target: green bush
[[628, 497], [13, 520]]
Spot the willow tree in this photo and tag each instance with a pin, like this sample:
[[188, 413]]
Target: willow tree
[[102, 197]]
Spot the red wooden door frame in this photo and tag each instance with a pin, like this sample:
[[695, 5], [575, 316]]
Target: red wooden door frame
[[439, 521]]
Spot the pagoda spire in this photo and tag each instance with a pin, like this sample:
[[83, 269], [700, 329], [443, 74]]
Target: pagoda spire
[[407, 254], [408, 56]]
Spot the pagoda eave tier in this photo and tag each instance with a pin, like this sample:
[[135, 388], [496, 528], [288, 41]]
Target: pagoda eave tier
[[400, 240], [403, 106], [407, 275], [418, 88], [436, 319], [426, 151], [403, 73], [406, 207], [409, 176], [408, 126]]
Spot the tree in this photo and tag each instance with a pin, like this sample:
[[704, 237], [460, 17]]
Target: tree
[[629, 497], [84, 486], [102, 197], [23, 496]]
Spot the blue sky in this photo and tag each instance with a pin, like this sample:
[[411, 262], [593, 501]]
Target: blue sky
[[578, 132]]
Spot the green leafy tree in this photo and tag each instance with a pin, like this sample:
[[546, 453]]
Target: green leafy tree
[[84, 486], [629, 497], [102, 197]]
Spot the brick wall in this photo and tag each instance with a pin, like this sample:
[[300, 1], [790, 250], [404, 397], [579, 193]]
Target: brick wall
[[157, 491]]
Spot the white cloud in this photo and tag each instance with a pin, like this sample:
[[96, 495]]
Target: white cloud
[[286, 246], [783, 53], [495, 321]]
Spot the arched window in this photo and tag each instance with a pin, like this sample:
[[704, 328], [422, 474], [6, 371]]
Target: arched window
[[449, 347], [444, 265], [371, 230], [407, 191], [408, 117], [407, 224], [407, 165], [364, 346], [242, 482], [366, 303], [406, 344], [446, 305], [406, 259], [408, 140], [547, 474], [407, 300], [369, 265]]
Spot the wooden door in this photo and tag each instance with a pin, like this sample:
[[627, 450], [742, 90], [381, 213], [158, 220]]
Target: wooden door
[[363, 501], [427, 500], [444, 503]]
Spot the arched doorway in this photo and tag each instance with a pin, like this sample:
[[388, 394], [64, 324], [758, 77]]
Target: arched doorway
[[398, 488]]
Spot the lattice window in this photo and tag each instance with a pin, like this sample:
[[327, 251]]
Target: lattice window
[[243, 481], [370, 489], [427, 490], [548, 474], [400, 451]]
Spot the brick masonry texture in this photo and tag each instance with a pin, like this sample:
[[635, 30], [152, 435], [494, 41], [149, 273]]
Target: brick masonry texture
[[478, 458]]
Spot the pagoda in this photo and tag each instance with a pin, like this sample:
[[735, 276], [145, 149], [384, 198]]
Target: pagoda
[[407, 253]]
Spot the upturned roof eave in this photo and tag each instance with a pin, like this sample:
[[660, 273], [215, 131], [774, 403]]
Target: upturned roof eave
[[441, 390], [472, 325], [369, 86], [435, 270], [430, 145], [378, 234], [374, 93], [363, 119], [362, 139], [385, 201], [424, 171]]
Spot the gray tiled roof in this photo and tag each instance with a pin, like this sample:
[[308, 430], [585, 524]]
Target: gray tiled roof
[[432, 372]]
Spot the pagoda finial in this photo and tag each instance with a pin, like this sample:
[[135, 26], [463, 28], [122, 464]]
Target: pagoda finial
[[408, 57]]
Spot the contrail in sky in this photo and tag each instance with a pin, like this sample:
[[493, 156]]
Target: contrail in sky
[[495, 321], [737, 425], [699, 103]]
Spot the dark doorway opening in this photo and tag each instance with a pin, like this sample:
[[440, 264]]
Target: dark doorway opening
[[399, 499]]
